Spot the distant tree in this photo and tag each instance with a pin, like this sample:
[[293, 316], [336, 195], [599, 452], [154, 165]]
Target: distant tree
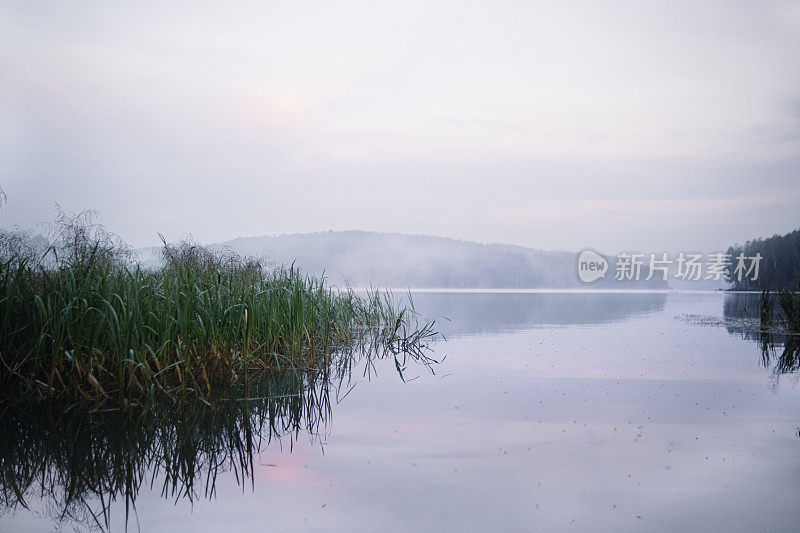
[[780, 262]]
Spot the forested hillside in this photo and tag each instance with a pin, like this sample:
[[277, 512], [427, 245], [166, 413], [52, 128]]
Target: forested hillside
[[780, 263]]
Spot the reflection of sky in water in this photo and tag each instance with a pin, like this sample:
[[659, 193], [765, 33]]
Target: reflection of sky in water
[[629, 420], [463, 313]]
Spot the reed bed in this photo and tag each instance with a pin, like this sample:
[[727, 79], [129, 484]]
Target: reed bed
[[786, 317], [83, 320], [779, 329]]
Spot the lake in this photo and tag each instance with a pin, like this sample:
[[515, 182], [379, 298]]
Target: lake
[[563, 411]]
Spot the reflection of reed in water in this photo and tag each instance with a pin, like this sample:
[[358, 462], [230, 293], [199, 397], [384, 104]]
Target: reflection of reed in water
[[789, 346], [755, 317], [78, 459]]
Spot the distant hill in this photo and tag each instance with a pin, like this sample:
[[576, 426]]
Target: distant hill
[[361, 258]]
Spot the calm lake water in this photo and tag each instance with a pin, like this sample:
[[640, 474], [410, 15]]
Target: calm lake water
[[550, 411]]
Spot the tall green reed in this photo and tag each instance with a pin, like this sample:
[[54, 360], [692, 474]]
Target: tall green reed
[[84, 320], [789, 304]]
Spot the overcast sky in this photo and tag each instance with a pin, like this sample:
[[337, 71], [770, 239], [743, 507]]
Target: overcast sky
[[615, 125]]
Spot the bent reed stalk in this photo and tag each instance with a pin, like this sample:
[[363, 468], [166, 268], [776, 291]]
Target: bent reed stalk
[[84, 321]]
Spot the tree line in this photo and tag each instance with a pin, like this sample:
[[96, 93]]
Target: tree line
[[779, 266]]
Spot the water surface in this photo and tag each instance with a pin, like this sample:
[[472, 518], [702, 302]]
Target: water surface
[[555, 411]]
